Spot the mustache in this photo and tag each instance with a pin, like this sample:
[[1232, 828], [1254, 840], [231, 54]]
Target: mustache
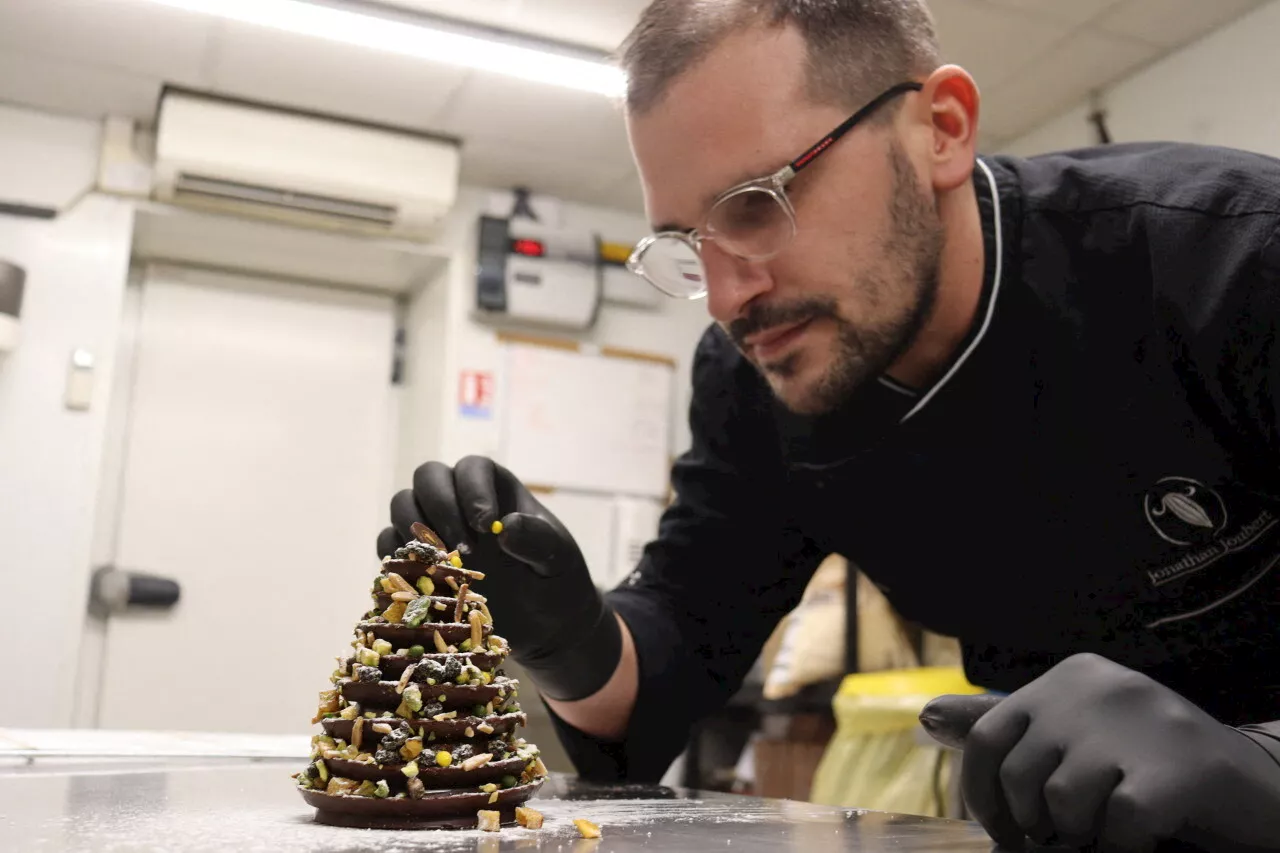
[[761, 317]]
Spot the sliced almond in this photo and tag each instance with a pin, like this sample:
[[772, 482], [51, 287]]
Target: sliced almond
[[485, 728], [539, 768], [475, 762], [395, 613], [441, 646], [488, 708], [528, 818], [453, 584], [477, 629], [484, 608], [493, 798], [399, 583], [440, 605], [401, 595], [382, 728], [470, 732], [447, 715], [488, 821], [472, 595], [405, 676], [357, 732], [426, 534], [461, 606], [586, 828]]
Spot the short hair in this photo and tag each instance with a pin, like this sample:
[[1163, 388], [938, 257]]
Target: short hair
[[856, 48]]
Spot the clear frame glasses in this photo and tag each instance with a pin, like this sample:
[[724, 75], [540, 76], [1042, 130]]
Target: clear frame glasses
[[754, 220]]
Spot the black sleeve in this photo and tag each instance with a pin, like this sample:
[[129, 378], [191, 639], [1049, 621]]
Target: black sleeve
[[727, 565]]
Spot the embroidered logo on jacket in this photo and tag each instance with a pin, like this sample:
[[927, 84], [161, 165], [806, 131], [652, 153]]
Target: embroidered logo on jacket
[[1185, 512]]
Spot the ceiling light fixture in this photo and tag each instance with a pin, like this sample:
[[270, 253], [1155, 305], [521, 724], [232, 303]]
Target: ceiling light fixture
[[409, 37]]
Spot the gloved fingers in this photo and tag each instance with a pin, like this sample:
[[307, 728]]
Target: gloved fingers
[[1130, 824], [437, 502], [475, 479], [948, 719], [1023, 774], [1077, 793], [404, 512], [986, 747], [388, 542], [533, 541]]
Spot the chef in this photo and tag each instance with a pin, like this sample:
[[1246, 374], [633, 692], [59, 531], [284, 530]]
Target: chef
[[1037, 401]]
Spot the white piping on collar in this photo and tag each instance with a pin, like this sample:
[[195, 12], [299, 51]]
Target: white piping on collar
[[991, 305], [895, 386]]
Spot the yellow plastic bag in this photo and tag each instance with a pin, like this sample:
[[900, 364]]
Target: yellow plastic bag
[[876, 760]]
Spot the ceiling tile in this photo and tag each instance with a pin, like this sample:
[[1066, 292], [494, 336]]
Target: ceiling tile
[[1072, 12], [124, 35], [993, 44], [600, 25], [521, 115], [1170, 23], [66, 87], [1062, 77], [329, 77]]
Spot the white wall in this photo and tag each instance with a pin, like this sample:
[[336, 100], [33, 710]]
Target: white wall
[[671, 329], [1221, 90], [49, 456]]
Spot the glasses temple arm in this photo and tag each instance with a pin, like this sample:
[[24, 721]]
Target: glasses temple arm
[[848, 124]]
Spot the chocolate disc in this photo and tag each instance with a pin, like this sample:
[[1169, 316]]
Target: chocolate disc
[[411, 570], [447, 777], [454, 729], [438, 810], [404, 637], [393, 666], [382, 694]]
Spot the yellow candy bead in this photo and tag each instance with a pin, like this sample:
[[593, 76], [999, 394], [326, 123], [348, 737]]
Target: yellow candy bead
[[496, 527], [456, 561], [443, 758]]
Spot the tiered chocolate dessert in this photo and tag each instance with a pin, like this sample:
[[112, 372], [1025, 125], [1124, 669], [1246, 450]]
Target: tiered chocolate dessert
[[420, 725]]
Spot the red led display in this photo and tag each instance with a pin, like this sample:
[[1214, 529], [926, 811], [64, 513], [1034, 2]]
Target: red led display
[[528, 248]]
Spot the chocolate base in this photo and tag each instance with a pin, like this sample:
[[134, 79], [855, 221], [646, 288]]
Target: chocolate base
[[440, 810]]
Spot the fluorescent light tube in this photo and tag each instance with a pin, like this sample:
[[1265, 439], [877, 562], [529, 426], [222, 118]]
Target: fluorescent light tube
[[418, 40]]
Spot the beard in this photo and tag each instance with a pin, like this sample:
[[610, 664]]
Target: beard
[[898, 294]]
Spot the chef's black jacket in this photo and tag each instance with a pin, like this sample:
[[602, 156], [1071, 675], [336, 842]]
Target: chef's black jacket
[[1097, 470]]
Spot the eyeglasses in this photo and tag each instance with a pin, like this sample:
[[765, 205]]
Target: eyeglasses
[[753, 220]]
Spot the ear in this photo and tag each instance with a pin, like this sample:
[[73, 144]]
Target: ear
[[952, 98]]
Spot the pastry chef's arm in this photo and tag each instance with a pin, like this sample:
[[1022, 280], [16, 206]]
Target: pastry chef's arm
[[727, 565]]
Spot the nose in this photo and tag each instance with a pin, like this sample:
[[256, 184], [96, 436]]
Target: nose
[[732, 282]]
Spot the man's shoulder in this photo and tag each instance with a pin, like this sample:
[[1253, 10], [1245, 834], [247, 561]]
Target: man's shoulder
[[1172, 177]]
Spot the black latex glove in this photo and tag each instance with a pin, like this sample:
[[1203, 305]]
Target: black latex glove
[[1092, 753], [536, 581]]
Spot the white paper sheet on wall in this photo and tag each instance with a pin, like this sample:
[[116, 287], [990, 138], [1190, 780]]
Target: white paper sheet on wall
[[586, 422]]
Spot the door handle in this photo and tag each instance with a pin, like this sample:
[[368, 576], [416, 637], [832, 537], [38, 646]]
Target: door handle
[[115, 590]]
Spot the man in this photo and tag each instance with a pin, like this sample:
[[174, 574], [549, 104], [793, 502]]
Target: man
[[1037, 401]]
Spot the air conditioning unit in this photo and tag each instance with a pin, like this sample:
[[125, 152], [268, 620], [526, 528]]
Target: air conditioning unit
[[256, 160]]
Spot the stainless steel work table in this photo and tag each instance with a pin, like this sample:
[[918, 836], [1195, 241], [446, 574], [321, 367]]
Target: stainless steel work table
[[239, 807]]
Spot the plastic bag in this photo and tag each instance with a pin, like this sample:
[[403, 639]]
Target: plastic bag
[[878, 760]]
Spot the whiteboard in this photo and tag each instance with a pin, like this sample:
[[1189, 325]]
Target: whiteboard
[[586, 421]]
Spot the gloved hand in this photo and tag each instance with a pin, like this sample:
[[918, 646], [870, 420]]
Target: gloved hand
[[1092, 753], [536, 580]]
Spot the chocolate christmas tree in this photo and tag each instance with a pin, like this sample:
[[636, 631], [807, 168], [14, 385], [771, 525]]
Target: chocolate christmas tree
[[420, 724]]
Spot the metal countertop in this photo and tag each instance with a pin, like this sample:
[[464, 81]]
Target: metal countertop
[[234, 807]]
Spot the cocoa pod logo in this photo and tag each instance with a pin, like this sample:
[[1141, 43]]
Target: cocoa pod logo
[[1185, 512]]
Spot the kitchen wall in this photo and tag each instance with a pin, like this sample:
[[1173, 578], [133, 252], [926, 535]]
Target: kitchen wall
[[1215, 91]]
